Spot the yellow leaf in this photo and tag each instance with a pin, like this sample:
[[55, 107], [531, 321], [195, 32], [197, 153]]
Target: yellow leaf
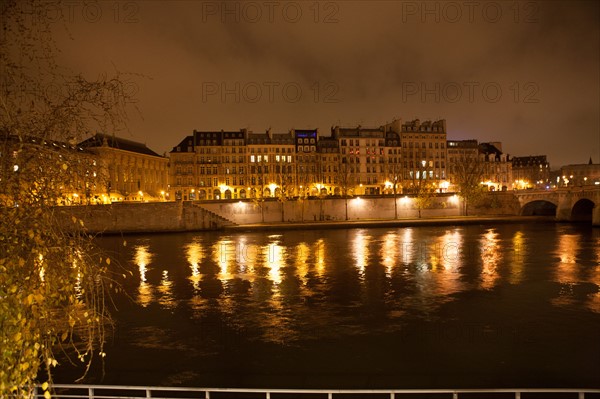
[[45, 386], [108, 261], [64, 166], [47, 395], [64, 336]]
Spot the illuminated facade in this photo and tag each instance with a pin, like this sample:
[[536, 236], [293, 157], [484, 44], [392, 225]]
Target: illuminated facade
[[271, 161], [328, 167], [391, 159], [530, 172], [307, 165], [459, 154], [209, 165], [362, 158], [423, 152], [579, 175], [133, 172], [497, 167]]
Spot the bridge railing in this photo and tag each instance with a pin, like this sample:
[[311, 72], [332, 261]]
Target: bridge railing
[[62, 391]]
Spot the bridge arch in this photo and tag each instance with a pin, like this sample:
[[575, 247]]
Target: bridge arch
[[582, 210], [539, 208]]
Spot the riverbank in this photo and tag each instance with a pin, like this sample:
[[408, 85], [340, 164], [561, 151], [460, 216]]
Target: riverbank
[[406, 222]]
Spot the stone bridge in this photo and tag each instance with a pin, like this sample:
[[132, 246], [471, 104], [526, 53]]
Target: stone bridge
[[573, 204]]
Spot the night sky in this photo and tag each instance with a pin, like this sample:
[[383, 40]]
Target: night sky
[[523, 73]]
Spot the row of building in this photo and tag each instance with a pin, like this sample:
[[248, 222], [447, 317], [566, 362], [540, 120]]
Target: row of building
[[393, 158]]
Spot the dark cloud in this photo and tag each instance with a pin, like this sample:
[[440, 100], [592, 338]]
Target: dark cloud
[[359, 68]]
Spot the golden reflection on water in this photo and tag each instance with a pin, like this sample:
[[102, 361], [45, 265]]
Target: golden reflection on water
[[360, 250], [446, 258], [593, 302], [195, 254], [302, 252], [389, 252], [491, 255], [142, 259], [408, 251], [320, 250], [437, 268], [567, 268], [165, 288], [519, 252]]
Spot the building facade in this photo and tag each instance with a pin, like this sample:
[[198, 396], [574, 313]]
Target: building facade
[[497, 167], [530, 172], [460, 155], [423, 153], [132, 171], [362, 159], [390, 159], [307, 168], [209, 165], [579, 175]]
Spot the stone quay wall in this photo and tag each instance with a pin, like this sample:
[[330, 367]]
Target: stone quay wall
[[214, 215]]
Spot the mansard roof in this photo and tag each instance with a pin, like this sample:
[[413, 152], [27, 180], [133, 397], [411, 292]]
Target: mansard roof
[[106, 140]]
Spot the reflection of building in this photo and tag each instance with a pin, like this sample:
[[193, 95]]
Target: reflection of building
[[497, 167], [133, 171], [423, 151], [530, 171], [579, 174]]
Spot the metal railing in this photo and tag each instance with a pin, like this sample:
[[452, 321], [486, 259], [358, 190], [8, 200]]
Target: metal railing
[[64, 391]]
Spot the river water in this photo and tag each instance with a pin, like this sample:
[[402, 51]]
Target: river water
[[511, 305]]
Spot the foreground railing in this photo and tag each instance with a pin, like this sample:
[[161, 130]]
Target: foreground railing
[[127, 392]]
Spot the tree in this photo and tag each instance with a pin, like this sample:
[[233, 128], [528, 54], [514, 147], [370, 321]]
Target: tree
[[394, 176], [468, 173], [345, 179], [52, 281], [424, 195], [285, 182]]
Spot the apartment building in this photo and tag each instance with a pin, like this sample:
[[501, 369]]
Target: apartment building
[[271, 160], [497, 167], [209, 165], [423, 152], [530, 171], [362, 158]]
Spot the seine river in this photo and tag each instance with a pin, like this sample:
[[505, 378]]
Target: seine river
[[511, 305]]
